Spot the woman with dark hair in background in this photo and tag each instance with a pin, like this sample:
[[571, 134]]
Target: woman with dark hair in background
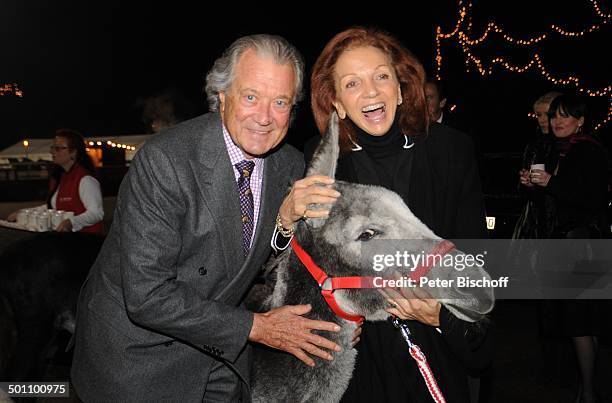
[[73, 186], [578, 188], [376, 87], [579, 181]]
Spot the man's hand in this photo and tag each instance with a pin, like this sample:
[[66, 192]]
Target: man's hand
[[304, 192], [285, 329], [413, 304]]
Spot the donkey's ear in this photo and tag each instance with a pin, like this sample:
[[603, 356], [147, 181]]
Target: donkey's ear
[[324, 162], [325, 157]]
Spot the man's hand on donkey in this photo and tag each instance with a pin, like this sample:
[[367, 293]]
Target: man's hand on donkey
[[286, 329]]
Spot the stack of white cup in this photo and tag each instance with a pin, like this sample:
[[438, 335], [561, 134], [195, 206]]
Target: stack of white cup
[[39, 220]]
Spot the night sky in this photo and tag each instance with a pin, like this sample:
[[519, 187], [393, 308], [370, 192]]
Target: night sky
[[88, 64]]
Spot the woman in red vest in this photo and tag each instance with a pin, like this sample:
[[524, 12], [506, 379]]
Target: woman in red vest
[[72, 185]]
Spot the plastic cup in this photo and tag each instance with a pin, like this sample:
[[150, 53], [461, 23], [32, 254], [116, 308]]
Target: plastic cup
[[535, 177], [22, 217], [32, 224], [42, 222]]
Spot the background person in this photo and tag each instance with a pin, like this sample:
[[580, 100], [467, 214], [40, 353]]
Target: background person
[[578, 188], [532, 224], [436, 102], [73, 186], [436, 98], [161, 316]]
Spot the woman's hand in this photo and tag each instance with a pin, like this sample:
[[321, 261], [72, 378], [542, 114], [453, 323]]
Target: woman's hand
[[64, 226], [304, 192], [539, 177], [356, 335], [413, 304], [524, 178]]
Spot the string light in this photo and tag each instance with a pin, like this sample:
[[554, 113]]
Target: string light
[[111, 144], [10, 89], [462, 32], [494, 27]]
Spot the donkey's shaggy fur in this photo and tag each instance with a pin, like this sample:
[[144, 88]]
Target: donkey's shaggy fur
[[360, 214]]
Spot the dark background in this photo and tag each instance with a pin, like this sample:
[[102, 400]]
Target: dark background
[[88, 65]]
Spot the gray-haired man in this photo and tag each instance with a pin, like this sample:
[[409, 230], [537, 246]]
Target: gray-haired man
[[161, 316]]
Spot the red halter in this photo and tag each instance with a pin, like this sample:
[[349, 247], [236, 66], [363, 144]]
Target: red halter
[[329, 284]]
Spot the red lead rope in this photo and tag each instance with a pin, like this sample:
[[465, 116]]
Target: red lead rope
[[335, 283], [421, 361], [427, 374]]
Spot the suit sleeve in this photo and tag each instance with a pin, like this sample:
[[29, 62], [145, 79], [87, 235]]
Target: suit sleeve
[[278, 242], [151, 208]]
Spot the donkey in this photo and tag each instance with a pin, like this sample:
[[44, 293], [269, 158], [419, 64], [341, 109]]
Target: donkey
[[362, 214]]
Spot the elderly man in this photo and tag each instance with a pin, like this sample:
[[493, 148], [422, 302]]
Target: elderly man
[[160, 317]]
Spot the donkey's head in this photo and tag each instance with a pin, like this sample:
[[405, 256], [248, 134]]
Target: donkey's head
[[366, 215]]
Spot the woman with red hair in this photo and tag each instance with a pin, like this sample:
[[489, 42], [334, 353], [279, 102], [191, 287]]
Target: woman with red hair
[[376, 87]]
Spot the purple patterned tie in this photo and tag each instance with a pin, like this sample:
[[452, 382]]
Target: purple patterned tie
[[245, 168]]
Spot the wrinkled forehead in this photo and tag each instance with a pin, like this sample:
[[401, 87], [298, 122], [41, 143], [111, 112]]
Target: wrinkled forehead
[[261, 72]]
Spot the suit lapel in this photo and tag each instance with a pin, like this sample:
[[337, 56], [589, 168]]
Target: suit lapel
[[215, 179], [271, 196]]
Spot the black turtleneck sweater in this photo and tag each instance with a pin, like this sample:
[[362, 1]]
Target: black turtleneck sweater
[[384, 152]]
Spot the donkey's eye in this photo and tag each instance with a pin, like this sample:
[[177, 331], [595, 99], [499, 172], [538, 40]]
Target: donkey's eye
[[367, 235]]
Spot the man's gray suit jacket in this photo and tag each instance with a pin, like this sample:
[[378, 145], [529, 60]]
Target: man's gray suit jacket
[[163, 301]]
